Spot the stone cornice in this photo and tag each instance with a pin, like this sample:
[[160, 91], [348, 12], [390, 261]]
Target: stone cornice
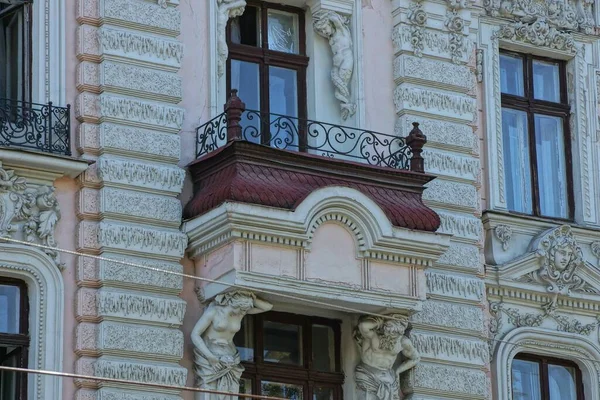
[[42, 167]]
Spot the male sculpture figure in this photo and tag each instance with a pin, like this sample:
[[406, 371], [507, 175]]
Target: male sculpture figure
[[215, 355], [334, 27], [380, 341], [227, 9]]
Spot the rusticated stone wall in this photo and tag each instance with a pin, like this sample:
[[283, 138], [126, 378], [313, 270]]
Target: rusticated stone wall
[[436, 85], [128, 86]]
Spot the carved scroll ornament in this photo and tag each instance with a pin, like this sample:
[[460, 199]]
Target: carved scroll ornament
[[28, 212], [335, 28], [539, 33]]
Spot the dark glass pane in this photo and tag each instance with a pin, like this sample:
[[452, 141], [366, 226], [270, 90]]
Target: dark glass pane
[[245, 77], [546, 84], [526, 380], [282, 343], [12, 43], [244, 339], [245, 29], [323, 348], [245, 387], [10, 357], [283, 390], [322, 393], [283, 100], [561, 382], [551, 166], [10, 308], [511, 75], [517, 167]]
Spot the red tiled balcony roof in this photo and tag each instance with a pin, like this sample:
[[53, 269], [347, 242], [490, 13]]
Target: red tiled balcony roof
[[245, 172]]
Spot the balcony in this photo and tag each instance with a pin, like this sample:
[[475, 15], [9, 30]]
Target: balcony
[[39, 127]]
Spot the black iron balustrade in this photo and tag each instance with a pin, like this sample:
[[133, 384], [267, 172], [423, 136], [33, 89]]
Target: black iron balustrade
[[42, 127], [289, 133]]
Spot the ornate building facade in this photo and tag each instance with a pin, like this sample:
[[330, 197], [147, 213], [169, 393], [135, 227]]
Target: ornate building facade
[[303, 199]]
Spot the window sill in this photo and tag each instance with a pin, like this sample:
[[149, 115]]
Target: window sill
[[40, 166]]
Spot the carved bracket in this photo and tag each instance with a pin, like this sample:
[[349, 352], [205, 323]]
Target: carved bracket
[[503, 233], [28, 212]]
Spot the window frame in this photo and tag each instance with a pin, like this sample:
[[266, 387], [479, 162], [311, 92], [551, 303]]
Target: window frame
[[20, 340], [529, 105], [304, 375], [543, 362], [26, 47], [265, 57]]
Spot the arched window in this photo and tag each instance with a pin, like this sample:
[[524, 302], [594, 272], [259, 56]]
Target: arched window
[[14, 337], [543, 378]]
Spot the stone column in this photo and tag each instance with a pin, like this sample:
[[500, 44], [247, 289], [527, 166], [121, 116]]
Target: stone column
[[128, 317]]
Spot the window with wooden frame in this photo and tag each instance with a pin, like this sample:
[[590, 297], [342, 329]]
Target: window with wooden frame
[[15, 50], [14, 338], [291, 356], [543, 378], [535, 131], [267, 64]]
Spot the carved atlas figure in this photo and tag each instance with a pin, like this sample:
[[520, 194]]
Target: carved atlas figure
[[226, 9], [380, 342], [216, 359], [334, 27]]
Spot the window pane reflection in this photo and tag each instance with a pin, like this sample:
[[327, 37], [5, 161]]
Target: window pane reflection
[[282, 343], [283, 31], [245, 77], [322, 393], [283, 100], [551, 166], [511, 75], [245, 29], [10, 303], [244, 340], [516, 160], [526, 380], [562, 382], [546, 85], [323, 348], [245, 387], [284, 390]]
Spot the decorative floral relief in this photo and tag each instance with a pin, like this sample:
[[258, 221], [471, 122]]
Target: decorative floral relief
[[418, 17], [539, 33], [479, 65], [503, 233], [563, 14], [28, 212]]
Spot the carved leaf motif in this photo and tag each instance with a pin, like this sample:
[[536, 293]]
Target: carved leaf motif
[[48, 220]]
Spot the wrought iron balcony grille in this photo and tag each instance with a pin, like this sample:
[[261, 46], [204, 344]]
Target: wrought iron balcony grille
[[41, 127], [319, 138]]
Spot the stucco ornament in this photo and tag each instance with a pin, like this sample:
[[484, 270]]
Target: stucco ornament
[[503, 233], [216, 359], [563, 14], [559, 257], [227, 9], [28, 212], [418, 19], [539, 33], [335, 28], [380, 341]]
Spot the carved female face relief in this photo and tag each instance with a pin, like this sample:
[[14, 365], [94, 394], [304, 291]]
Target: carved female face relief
[[562, 257]]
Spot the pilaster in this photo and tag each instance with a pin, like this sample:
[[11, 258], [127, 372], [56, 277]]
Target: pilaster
[[129, 317]]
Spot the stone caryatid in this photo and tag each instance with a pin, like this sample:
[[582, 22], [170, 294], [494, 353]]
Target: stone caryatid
[[227, 9], [217, 361], [334, 27], [381, 341]]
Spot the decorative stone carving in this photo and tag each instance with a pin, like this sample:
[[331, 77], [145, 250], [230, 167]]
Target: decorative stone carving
[[454, 286], [595, 247], [380, 341], [215, 356], [418, 17], [538, 33], [570, 14], [559, 257], [479, 65], [458, 106], [28, 212], [503, 233], [459, 225], [227, 9], [335, 28]]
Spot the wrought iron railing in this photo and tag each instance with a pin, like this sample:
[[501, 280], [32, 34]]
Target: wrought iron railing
[[290, 133], [42, 127]]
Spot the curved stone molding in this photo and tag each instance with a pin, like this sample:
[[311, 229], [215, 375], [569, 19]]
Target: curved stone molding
[[556, 344], [503, 233], [28, 212], [356, 230], [569, 15], [538, 33], [46, 299], [335, 28], [217, 366], [380, 342], [227, 9]]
